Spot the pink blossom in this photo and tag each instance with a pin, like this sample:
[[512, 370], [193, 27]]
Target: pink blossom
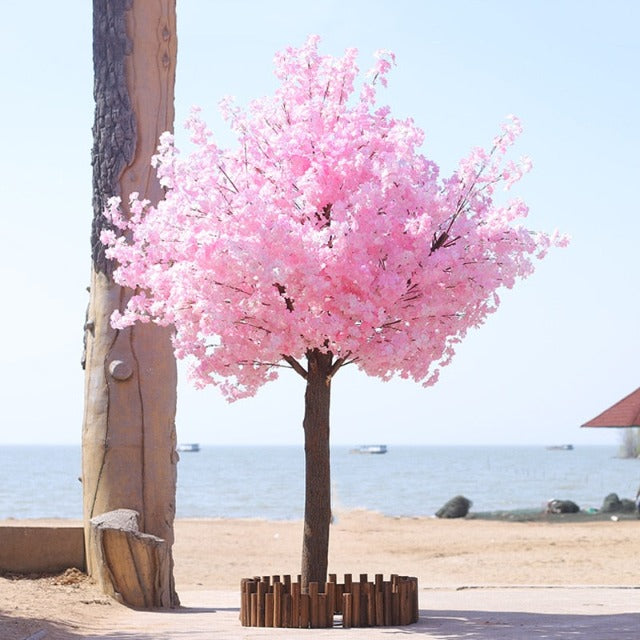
[[323, 228]]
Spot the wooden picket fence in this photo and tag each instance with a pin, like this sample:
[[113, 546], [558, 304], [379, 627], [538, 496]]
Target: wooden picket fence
[[272, 601]]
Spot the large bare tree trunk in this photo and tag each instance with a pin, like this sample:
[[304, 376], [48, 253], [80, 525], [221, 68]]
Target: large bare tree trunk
[[128, 440], [317, 507]]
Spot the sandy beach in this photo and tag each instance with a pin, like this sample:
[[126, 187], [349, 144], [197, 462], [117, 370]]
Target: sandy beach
[[582, 570]]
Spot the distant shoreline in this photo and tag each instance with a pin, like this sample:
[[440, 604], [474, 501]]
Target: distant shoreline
[[531, 515], [512, 515]]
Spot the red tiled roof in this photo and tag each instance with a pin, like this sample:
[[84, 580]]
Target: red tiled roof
[[625, 413]]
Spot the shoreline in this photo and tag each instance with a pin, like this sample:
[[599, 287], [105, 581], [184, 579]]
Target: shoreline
[[500, 515]]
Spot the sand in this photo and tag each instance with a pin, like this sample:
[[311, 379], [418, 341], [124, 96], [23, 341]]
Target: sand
[[470, 572]]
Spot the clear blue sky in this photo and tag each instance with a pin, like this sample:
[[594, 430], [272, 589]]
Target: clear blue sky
[[565, 343]]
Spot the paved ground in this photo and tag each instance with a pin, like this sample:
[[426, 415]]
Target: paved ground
[[552, 613]]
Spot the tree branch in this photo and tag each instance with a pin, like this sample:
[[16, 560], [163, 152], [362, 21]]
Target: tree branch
[[282, 290], [245, 322], [260, 363], [295, 365], [337, 364], [226, 175]]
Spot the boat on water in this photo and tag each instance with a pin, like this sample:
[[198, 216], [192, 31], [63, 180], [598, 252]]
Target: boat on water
[[189, 446], [561, 447], [370, 448]]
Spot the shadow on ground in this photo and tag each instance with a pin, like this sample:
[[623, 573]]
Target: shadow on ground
[[494, 625], [22, 628], [437, 625]]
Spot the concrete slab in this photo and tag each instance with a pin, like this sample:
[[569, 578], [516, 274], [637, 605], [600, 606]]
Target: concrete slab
[[41, 549], [487, 613]]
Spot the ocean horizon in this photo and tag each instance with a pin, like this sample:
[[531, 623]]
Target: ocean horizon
[[267, 482]]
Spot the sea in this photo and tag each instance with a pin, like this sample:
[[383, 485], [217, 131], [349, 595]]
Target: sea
[[268, 482]]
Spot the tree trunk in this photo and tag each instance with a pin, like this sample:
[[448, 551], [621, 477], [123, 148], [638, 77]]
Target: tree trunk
[[317, 508], [128, 439]]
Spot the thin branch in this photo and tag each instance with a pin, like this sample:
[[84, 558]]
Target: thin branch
[[226, 175], [274, 128], [245, 323], [444, 240], [232, 287], [286, 113], [261, 363]]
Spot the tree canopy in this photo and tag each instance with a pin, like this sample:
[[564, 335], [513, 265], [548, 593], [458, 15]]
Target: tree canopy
[[325, 228]]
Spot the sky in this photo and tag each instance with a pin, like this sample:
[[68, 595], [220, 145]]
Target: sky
[[564, 344]]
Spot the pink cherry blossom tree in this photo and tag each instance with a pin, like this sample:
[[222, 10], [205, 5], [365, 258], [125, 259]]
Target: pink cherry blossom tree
[[324, 238]]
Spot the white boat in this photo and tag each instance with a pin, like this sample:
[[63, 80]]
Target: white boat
[[370, 448], [190, 446]]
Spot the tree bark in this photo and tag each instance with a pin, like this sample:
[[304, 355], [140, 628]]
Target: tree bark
[[317, 508], [128, 439]]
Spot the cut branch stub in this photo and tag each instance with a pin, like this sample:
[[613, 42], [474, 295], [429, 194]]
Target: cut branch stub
[[120, 370], [136, 566]]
